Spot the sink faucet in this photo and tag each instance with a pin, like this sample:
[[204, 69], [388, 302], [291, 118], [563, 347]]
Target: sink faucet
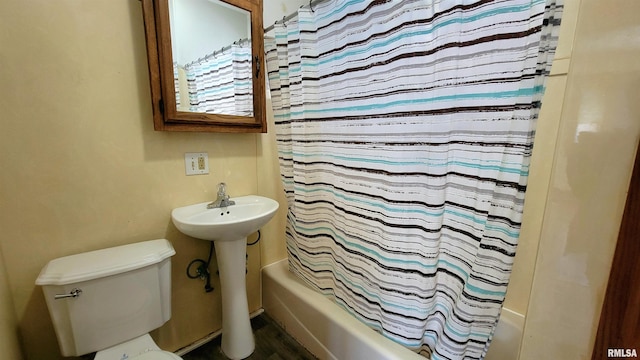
[[223, 198]]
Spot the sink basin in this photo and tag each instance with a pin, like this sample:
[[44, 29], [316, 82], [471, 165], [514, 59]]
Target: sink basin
[[234, 222], [228, 228]]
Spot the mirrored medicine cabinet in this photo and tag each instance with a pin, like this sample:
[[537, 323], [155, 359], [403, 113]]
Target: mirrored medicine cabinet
[[206, 64]]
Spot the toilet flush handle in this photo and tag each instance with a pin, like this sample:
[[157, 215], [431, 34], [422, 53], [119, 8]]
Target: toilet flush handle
[[72, 294]]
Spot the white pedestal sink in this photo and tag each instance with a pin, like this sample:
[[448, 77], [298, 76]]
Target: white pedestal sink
[[228, 228]]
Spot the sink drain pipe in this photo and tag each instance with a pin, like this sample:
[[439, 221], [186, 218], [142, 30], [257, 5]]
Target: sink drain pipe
[[202, 271]]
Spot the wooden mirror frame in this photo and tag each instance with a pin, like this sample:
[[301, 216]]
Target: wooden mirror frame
[[166, 117]]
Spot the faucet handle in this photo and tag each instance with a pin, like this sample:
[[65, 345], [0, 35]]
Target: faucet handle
[[222, 189]]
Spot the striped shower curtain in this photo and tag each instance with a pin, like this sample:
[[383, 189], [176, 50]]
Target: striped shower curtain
[[404, 132], [222, 83]]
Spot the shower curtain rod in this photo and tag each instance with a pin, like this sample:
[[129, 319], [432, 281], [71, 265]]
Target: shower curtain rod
[[213, 54], [312, 3]]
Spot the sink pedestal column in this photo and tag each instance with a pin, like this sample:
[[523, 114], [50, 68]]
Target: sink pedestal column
[[237, 335]]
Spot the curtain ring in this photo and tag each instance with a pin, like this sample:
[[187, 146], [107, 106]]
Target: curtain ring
[[311, 6], [284, 21]]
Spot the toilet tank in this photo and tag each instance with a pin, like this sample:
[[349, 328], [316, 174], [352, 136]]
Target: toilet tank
[[125, 293]]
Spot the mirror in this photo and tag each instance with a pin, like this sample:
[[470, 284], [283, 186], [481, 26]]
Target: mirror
[[206, 64], [211, 68]]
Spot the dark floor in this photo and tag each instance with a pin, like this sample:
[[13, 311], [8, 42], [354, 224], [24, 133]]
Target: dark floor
[[272, 343]]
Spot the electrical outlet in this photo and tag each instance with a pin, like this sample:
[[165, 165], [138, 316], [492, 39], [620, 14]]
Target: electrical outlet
[[196, 163]]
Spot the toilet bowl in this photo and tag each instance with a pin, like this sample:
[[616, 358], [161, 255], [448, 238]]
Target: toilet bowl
[[107, 301]]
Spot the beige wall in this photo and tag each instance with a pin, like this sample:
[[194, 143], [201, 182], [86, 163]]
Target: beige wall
[[83, 169], [592, 162], [8, 323], [272, 245]]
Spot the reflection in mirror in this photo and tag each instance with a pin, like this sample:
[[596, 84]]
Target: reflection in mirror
[[212, 65]]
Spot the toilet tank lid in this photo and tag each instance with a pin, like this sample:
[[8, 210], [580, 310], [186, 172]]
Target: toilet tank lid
[[105, 262]]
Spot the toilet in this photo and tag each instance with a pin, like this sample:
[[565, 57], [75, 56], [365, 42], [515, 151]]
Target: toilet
[[107, 301]]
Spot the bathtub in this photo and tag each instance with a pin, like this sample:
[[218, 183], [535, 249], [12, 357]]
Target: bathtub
[[329, 332]]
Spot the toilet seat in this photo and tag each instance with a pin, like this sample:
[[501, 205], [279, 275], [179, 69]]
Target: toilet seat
[[143, 346], [156, 355]]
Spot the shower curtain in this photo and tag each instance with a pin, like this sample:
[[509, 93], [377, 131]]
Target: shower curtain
[[404, 132], [222, 82]]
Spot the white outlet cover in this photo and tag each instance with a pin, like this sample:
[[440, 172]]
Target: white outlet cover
[[196, 163]]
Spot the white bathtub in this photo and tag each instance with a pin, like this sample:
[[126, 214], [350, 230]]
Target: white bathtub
[[329, 332]]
